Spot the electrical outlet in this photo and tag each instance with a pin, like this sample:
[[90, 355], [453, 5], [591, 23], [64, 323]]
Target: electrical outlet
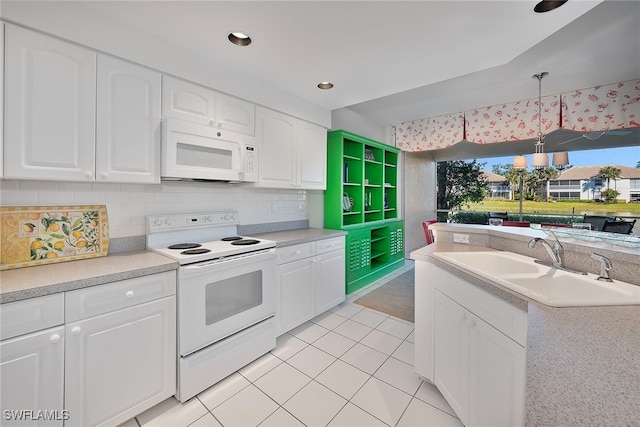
[[460, 238]]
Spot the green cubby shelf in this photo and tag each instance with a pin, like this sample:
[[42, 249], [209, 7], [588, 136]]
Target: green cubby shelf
[[367, 172]]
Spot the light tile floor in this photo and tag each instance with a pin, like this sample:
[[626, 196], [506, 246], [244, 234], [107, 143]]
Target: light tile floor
[[351, 366]]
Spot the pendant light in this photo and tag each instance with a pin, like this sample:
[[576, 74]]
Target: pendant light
[[560, 159], [540, 159]]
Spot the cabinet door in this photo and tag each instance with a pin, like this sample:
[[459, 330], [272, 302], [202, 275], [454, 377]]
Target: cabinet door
[[451, 353], [1, 97], [128, 125], [121, 363], [235, 114], [188, 101], [50, 107], [31, 377], [276, 138], [311, 146], [330, 280], [497, 377], [297, 294]]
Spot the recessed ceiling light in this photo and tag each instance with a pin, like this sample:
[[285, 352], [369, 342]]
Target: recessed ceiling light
[[240, 39], [548, 5], [325, 85]]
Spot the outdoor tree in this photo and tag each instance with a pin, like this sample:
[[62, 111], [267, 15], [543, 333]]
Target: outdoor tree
[[638, 164], [545, 175], [608, 173], [459, 183]]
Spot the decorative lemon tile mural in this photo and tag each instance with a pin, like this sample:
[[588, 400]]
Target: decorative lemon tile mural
[[46, 234]]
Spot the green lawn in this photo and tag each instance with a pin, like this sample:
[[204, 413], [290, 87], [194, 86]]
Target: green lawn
[[512, 206]]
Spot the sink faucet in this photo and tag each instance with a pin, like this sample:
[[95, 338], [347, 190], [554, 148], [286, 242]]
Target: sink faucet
[[605, 266], [556, 251]]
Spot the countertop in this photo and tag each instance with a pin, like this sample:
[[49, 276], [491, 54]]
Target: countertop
[[582, 362], [31, 282], [302, 235]]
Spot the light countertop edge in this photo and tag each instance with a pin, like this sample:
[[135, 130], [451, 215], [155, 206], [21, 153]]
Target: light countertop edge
[[301, 235], [31, 282]]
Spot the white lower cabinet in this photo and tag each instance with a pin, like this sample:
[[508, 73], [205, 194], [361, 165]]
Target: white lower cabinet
[[311, 280], [122, 361], [32, 362], [31, 377], [471, 345]]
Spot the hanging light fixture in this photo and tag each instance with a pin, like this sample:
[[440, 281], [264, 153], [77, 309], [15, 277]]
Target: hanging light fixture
[[520, 163], [560, 159], [540, 159]]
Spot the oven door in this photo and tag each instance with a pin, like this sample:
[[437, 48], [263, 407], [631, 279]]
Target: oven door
[[219, 298]]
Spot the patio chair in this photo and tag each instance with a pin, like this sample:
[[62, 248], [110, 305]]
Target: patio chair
[[620, 227], [428, 234], [516, 223], [597, 221]]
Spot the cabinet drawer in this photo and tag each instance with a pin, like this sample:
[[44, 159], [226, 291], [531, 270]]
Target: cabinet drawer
[[328, 245], [295, 252], [23, 317], [101, 299]]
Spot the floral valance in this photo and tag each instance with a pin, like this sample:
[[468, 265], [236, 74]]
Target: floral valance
[[601, 108], [607, 107], [512, 122], [430, 134]]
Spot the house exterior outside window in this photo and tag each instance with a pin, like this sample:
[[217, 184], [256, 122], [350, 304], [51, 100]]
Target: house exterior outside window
[[582, 182]]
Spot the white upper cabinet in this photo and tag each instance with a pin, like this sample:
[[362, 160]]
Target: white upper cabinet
[[189, 101], [128, 125], [50, 108], [292, 152], [235, 114], [276, 141], [311, 146]]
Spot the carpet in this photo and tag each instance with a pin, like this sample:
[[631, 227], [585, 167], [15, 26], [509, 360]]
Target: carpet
[[396, 297]]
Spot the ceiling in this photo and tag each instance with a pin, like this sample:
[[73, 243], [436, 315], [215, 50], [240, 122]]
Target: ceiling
[[393, 61]]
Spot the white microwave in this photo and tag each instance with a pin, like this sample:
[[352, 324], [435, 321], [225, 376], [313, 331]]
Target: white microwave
[[193, 151]]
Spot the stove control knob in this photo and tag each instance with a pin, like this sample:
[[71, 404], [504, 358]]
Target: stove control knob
[[208, 218], [157, 222], [169, 221]]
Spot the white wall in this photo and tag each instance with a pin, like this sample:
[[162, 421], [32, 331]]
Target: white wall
[[351, 121], [128, 204], [419, 198]]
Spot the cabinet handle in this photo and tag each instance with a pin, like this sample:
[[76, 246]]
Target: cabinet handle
[[104, 175], [54, 338], [298, 253], [76, 330], [88, 174], [129, 294]]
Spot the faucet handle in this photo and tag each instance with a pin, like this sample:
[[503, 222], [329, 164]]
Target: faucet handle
[[605, 267]]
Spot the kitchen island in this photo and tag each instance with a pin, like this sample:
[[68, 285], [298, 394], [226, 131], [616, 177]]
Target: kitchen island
[[581, 365]]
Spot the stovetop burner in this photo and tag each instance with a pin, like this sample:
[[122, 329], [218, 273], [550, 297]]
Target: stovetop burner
[[231, 238], [184, 246], [244, 242], [195, 251]]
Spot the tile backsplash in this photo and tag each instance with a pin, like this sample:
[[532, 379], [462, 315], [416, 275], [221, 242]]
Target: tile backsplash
[[128, 204]]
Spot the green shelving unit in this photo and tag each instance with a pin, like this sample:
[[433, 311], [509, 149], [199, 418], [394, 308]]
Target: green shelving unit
[[362, 199]]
